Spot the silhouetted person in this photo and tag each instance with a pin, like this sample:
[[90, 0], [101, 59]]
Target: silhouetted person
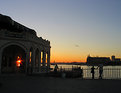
[[55, 69], [100, 71], [80, 72], [61, 69], [93, 72]]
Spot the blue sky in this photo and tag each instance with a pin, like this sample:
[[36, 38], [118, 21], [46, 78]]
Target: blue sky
[[75, 28]]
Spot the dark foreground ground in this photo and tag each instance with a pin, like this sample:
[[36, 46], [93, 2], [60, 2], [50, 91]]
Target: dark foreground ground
[[36, 84]]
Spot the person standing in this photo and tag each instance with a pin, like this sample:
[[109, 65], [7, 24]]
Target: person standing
[[81, 72], [55, 69], [93, 72], [100, 71]]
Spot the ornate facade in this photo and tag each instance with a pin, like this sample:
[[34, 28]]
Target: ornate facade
[[20, 42]]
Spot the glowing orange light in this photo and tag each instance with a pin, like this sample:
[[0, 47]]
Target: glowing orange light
[[18, 62]]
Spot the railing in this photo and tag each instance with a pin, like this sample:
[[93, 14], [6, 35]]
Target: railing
[[38, 70], [108, 73]]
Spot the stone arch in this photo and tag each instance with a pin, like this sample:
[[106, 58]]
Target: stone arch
[[2, 47], [10, 54], [13, 43]]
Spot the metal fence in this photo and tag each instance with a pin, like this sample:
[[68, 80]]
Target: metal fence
[[108, 73]]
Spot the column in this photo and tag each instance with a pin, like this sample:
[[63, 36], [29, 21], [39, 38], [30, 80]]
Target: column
[[7, 58], [48, 60], [33, 61], [39, 56], [27, 62], [0, 60], [44, 59]]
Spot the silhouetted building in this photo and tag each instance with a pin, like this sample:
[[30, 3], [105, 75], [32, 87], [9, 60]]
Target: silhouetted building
[[21, 50], [113, 59], [97, 60]]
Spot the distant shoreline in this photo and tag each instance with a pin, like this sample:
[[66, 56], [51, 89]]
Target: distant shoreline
[[80, 63]]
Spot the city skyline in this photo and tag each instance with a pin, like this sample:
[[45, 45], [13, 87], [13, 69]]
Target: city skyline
[[75, 28]]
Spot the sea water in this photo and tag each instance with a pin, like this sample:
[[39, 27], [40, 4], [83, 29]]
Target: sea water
[[109, 72]]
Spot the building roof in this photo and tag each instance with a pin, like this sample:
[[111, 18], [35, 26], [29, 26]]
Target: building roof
[[6, 22]]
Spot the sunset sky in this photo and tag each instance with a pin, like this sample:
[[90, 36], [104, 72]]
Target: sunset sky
[[75, 28]]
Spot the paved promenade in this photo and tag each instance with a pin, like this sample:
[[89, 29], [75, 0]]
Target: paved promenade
[[36, 84]]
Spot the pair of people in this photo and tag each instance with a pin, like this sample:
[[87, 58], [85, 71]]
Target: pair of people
[[100, 71]]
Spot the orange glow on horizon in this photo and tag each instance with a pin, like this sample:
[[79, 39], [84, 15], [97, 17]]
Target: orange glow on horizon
[[67, 55], [67, 60]]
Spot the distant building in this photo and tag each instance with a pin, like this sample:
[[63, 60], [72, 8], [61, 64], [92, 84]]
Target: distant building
[[97, 60], [113, 59], [103, 60]]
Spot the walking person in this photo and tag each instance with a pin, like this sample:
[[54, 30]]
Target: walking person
[[93, 72]]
